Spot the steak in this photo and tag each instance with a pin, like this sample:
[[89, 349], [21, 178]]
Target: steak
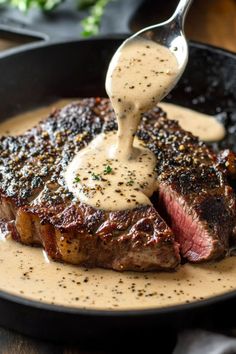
[[193, 197], [193, 189], [226, 159], [40, 210]]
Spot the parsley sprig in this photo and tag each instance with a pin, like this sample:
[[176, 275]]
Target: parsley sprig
[[96, 177], [130, 182], [77, 179], [107, 170]]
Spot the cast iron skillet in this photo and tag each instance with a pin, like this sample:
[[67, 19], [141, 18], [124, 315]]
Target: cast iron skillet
[[42, 72]]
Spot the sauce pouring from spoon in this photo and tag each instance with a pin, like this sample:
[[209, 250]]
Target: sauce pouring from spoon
[[143, 71], [116, 170]]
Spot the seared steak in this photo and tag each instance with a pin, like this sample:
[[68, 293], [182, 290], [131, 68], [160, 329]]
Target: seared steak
[[198, 202], [226, 159], [42, 211]]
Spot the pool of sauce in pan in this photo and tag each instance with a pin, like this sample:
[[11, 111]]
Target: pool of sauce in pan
[[27, 271]]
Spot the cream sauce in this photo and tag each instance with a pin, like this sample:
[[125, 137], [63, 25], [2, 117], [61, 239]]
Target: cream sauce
[[27, 271], [27, 120], [114, 172], [209, 130], [140, 74], [100, 177], [206, 127]]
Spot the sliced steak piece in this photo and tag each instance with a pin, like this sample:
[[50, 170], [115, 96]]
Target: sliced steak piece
[[193, 190], [78, 234], [40, 210]]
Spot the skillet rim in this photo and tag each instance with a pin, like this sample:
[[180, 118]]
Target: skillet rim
[[67, 310], [50, 43]]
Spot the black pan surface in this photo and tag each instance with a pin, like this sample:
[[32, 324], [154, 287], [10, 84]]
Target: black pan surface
[[43, 72]]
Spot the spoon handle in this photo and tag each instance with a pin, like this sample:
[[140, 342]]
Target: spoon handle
[[181, 11]]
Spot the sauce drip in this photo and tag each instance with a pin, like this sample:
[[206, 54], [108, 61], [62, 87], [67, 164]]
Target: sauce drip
[[140, 74], [116, 171]]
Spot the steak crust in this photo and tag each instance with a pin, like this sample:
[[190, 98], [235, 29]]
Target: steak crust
[[193, 189], [40, 210]]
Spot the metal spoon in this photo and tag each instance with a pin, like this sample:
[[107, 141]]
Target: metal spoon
[[169, 34]]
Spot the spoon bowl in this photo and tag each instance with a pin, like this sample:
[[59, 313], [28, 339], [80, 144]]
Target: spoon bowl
[[169, 34]]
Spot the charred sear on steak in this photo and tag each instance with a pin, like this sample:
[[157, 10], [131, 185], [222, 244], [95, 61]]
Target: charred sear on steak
[[194, 197], [193, 190], [226, 159]]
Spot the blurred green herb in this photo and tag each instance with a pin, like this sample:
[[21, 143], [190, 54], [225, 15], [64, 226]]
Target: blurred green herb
[[90, 24], [84, 4], [25, 5]]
